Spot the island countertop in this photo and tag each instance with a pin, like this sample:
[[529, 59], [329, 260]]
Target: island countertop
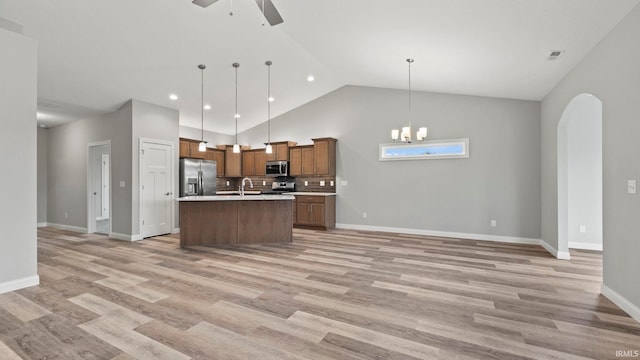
[[236, 197]]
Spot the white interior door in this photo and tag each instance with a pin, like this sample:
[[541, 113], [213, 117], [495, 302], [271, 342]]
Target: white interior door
[[156, 192], [105, 186]]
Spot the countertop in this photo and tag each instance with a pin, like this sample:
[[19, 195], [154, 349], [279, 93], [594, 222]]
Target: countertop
[[236, 197], [312, 193]]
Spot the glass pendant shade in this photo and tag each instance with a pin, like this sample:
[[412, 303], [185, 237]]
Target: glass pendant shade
[[394, 134], [421, 134], [269, 149], [236, 148], [406, 134], [202, 147]]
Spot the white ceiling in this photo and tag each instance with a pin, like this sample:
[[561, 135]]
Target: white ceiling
[[95, 55]]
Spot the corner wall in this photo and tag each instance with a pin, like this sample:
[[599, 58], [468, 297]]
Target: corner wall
[[456, 197], [42, 176], [18, 208], [611, 73]]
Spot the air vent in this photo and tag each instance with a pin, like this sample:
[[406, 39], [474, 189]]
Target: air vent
[[555, 54]]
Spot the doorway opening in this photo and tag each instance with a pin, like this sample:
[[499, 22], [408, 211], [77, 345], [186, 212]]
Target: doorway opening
[[580, 176], [99, 187]]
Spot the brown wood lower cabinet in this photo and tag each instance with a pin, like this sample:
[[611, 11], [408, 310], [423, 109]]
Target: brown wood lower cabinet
[[315, 211]]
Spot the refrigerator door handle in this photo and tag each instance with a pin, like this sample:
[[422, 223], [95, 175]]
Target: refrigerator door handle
[[200, 183]]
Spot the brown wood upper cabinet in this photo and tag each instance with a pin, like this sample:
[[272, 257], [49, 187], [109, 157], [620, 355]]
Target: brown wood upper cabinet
[[189, 149], [324, 156], [280, 150], [216, 155], [232, 163], [316, 159], [301, 160], [254, 162]]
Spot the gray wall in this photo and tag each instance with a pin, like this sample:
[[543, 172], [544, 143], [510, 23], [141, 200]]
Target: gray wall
[[152, 122], [500, 180], [42, 175], [584, 132], [610, 72], [18, 208], [212, 138], [67, 169]]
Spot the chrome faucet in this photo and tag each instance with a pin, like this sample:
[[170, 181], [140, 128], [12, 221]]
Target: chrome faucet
[[242, 187]]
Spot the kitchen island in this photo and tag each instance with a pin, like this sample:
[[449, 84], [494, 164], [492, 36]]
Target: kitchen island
[[230, 220]]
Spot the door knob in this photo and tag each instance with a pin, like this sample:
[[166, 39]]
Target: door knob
[[168, 194]]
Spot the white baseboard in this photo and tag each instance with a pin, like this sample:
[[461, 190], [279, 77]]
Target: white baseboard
[[68, 227], [485, 237], [585, 246], [19, 284], [125, 237], [623, 303], [560, 255], [42, 224]]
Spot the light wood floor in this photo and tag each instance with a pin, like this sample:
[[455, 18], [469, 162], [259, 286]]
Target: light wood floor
[[329, 295]]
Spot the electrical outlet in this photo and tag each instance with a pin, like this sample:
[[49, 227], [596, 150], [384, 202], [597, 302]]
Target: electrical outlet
[[264, 183], [331, 183], [494, 223], [364, 215], [306, 183], [66, 215], [321, 182], [583, 229], [631, 186], [227, 182]]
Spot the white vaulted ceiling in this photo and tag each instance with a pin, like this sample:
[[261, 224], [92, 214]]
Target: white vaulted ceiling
[[95, 55]]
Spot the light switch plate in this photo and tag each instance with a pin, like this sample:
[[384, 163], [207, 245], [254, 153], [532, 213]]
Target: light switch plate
[[631, 186], [306, 183], [121, 184], [321, 182]]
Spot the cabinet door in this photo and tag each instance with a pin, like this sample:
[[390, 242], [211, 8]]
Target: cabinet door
[[218, 156], [232, 163], [248, 163], [316, 214], [282, 152], [295, 161], [260, 163], [324, 156], [302, 213], [184, 148], [307, 160], [194, 152]]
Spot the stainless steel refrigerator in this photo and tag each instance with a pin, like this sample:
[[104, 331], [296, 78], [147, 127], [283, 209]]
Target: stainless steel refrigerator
[[197, 177]]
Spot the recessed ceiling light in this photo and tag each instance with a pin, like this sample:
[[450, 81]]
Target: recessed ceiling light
[[173, 97], [310, 78], [237, 116], [271, 99], [207, 107]]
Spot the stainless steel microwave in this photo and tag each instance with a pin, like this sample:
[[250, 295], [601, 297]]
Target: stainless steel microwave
[[277, 168]]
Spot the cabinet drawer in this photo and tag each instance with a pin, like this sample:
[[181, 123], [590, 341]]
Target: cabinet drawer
[[310, 198]]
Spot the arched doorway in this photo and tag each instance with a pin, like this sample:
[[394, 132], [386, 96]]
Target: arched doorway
[[580, 175]]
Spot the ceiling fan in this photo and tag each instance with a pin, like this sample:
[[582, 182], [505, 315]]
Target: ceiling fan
[[266, 7]]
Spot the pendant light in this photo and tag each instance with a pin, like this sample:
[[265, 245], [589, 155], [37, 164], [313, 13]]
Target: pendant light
[[236, 147], [405, 135], [202, 147], [269, 149]]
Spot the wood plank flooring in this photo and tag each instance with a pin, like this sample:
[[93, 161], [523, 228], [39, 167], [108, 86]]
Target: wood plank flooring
[[328, 295]]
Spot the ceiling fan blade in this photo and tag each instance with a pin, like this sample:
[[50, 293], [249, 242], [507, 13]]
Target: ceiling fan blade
[[270, 12], [203, 3]]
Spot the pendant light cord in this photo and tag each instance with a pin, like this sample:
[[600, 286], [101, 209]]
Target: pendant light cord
[[269, 101], [409, 61], [236, 66], [202, 102]]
